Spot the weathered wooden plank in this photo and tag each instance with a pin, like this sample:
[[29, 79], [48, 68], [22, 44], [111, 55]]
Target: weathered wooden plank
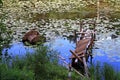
[[83, 41], [76, 55], [79, 53], [81, 48]]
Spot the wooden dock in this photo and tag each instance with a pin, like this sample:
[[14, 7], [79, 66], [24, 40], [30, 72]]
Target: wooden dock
[[83, 50]]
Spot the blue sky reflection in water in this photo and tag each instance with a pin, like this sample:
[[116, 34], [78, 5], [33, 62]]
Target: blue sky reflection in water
[[18, 49], [63, 47], [108, 52]]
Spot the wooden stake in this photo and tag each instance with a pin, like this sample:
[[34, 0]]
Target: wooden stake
[[85, 66]]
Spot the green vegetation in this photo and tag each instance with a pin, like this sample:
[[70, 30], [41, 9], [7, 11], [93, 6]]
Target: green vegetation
[[58, 15], [5, 36], [105, 72], [40, 66], [1, 3], [118, 32], [60, 9], [109, 73], [36, 66], [115, 14]]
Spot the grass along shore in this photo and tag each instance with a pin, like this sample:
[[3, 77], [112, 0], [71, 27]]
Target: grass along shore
[[40, 66]]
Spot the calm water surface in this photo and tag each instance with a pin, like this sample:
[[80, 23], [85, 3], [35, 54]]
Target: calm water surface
[[106, 50]]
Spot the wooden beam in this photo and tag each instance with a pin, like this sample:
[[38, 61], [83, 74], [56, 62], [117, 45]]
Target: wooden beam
[[80, 54], [76, 55]]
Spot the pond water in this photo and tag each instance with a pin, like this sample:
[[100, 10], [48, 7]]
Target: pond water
[[18, 49], [106, 49]]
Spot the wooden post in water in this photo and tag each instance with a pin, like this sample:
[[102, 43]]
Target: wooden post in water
[[75, 36], [85, 67], [81, 25]]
